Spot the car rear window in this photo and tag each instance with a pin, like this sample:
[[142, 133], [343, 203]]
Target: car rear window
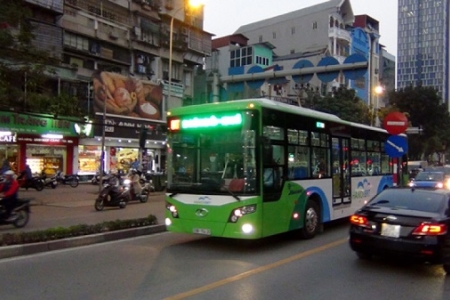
[[430, 176], [411, 199]]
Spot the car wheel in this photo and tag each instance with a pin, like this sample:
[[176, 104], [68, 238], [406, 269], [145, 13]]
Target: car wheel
[[364, 255], [311, 220]]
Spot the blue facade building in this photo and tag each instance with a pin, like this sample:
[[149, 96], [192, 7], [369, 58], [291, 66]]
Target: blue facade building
[[360, 45]]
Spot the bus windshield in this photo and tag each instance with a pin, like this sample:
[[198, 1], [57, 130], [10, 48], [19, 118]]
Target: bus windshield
[[214, 161]]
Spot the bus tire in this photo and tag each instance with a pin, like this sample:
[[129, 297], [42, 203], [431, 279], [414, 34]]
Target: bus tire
[[311, 221]]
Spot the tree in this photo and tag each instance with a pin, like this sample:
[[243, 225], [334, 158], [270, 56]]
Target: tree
[[343, 102], [424, 109], [25, 70]]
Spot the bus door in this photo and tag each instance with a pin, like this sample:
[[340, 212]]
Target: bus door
[[340, 158]]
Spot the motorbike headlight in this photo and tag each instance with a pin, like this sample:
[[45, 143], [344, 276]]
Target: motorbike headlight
[[127, 181]]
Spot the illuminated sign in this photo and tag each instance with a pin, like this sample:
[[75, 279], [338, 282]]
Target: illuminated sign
[[8, 138], [320, 125], [212, 121]]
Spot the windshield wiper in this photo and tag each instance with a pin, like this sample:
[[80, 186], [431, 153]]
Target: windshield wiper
[[379, 202], [233, 194], [173, 194]]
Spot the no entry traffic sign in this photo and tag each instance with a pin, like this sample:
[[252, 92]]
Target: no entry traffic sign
[[395, 123]]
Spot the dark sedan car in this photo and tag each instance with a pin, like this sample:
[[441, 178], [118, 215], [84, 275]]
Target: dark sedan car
[[405, 222]]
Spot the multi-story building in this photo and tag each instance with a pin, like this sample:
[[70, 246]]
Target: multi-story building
[[129, 41], [131, 38], [423, 45], [365, 41], [324, 34], [387, 75], [316, 27]]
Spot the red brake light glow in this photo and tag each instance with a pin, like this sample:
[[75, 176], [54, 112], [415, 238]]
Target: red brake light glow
[[430, 229], [359, 220]]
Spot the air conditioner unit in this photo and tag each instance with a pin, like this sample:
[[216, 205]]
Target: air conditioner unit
[[137, 31], [184, 31]]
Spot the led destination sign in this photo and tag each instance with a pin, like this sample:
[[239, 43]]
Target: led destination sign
[[207, 122]]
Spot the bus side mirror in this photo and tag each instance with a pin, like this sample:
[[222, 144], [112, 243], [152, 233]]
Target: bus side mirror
[[267, 150]]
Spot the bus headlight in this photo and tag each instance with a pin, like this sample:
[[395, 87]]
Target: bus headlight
[[173, 209], [241, 211]]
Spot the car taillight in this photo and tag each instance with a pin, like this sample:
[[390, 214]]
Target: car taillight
[[430, 229], [359, 221]]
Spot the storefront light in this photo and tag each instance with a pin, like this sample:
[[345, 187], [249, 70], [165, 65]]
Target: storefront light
[[52, 136], [5, 133]]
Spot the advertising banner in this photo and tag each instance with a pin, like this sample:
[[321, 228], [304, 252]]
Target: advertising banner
[[127, 96], [129, 128]]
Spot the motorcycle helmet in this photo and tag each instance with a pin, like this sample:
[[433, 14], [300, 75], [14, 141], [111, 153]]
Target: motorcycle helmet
[[9, 173]]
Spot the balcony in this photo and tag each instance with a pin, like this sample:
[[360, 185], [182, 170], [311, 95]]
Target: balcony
[[109, 11], [339, 33], [52, 5]]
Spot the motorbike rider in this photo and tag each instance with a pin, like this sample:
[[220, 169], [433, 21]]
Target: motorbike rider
[[135, 182], [9, 188]]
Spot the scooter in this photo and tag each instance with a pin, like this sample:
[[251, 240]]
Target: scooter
[[20, 215], [112, 194], [73, 180], [145, 191], [49, 182]]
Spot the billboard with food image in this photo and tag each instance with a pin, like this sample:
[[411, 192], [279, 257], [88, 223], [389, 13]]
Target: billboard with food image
[[126, 96]]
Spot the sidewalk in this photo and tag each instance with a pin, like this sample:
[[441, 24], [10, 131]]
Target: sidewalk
[[66, 206]]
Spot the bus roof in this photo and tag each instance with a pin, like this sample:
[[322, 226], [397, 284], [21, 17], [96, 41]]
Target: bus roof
[[267, 103]]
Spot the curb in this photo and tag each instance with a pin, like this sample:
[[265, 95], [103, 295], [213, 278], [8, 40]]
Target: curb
[[28, 249]]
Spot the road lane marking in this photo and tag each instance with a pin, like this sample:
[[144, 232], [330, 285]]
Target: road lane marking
[[255, 271]]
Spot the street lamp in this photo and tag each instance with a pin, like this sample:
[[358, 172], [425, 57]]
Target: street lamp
[[378, 91], [192, 4]]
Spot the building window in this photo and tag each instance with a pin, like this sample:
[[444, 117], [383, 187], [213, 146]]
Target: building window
[[314, 25], [274, 35], [293, 30], [260, 39], [241, 57]]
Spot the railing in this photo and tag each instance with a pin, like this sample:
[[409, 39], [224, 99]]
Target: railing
[[55, 5], [103, 9], [339, 33]]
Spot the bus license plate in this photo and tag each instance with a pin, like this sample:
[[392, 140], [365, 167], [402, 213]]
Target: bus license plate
[[390, 230], [202, 231]]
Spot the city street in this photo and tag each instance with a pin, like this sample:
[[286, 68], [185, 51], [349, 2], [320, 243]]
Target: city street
[[178, 266], [66, 206]]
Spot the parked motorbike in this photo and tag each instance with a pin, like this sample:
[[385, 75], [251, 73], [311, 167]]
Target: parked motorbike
[[145, 192], [49, 182], [112, 194], [20, 214], [105, 179], [73, 180], [35, 182]]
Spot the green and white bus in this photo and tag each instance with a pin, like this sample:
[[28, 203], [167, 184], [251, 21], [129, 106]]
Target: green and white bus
[[253, 168]]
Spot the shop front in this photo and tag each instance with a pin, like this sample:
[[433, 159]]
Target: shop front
[[45, 143], [122, 151]]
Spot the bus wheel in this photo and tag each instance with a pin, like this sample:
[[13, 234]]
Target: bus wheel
[[311, 220]]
